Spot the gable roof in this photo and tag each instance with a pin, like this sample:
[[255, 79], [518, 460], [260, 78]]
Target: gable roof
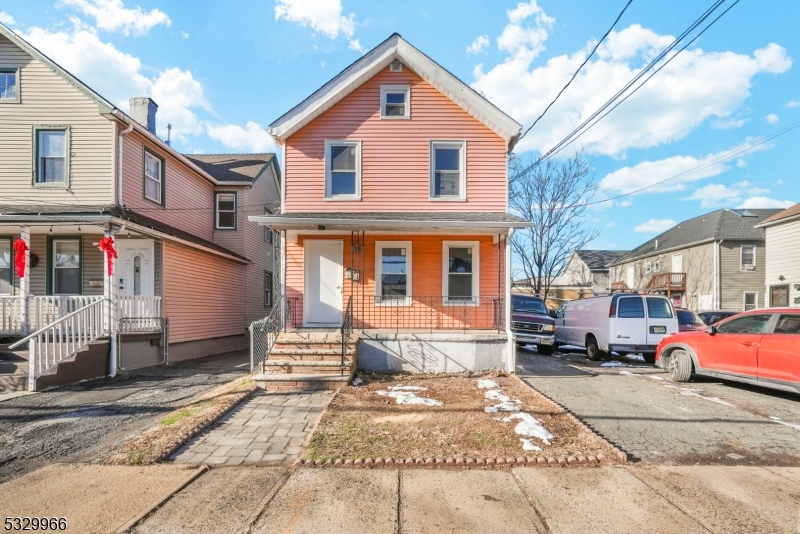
[[395, 47], [720, 224], [792, 212], [237, 167], [599, 260]]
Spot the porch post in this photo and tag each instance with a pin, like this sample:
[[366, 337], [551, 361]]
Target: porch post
[[25, 281], [110, 305], [512, 346]]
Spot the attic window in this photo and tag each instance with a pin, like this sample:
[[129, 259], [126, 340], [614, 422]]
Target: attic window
[[395, 66], [395, 102]]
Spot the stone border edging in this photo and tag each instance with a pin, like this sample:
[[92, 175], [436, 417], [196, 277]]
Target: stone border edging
[[213, 418], [432, 463], [621, 454]]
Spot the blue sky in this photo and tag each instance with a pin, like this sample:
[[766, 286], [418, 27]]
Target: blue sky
[[222, 71]]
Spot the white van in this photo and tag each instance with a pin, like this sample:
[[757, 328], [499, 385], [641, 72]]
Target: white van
[[622, 323]]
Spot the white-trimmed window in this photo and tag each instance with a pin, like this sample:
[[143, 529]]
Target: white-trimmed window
[[750, 300], [648, 267], [395, 102], [343, 170], [153, 178], [225, 207], [448, 170], [6, 266], [66, 267], [656, 266], [748, 258], [393, 272], [52, 163], [9, 85], [461, 271], [267, 289]]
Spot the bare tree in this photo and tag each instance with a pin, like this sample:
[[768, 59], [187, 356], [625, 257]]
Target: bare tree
[[553, 196]]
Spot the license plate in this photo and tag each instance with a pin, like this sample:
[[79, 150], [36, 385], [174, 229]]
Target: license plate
[[546, 341], [658, 329]]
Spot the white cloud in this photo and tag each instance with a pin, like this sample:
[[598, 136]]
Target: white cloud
[[715, 195], [772, 118], [478, 45], [793, 104], [728, 124], [647, 173], [252, 137], [355, 44], [184, 34], [113, 16], [625, 203], [322, 64], [177, 93], [7, 19], [760, 202], [655, 226], [694, 87], [323, 16]]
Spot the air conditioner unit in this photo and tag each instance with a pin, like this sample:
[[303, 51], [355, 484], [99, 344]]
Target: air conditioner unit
[[748, 267]]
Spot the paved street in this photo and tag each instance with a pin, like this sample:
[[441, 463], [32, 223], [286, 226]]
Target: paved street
[[266, 428], [77, 422], [640, 409]]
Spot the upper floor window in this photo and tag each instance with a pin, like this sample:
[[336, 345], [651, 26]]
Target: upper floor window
[[656, 266], [343, 170], [9, 85], [153, 178], [448, 177], [395, 102], [225, 211], [648, 267], [748, 258], [51, 157]]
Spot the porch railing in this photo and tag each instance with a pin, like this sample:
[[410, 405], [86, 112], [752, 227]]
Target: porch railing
[[429, 313], [62, 339], [46, 310], [145, 310], [264, 332], [347, 330], [10, 315]]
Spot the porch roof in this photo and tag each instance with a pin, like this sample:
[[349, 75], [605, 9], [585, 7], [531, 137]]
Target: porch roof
[[388, 221]]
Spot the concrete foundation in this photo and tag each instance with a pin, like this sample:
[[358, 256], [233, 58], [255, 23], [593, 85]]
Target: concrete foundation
[[201, 348], [432, 353], [91, 362]]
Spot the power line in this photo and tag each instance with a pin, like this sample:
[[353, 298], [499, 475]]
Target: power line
[[585, 61]]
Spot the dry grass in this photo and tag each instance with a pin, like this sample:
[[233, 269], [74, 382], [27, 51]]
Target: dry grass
[[361, 424], [179, 426]]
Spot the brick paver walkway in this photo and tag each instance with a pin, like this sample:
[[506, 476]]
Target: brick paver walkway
[[267, 428]]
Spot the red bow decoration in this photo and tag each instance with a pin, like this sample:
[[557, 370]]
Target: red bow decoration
[[19, 259], [107, 245]]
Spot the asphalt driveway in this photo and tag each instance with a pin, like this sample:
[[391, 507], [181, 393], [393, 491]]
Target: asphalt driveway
[[637, 406], [76, 422]]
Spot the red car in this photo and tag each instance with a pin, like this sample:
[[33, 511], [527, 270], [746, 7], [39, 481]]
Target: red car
[[759, 347], [689, 321]]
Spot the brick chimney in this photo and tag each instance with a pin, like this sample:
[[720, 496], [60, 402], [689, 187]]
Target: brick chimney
[[143, 111]]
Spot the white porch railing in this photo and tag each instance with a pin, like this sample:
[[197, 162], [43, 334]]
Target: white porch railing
[[46, 310], [147, 311], [10, 316], [62, 339]]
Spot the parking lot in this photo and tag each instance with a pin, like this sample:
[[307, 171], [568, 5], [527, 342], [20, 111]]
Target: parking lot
[[637, 406]]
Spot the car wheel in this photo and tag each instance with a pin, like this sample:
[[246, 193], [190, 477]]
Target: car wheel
[[546, 350], [592, 350], [680, 366]]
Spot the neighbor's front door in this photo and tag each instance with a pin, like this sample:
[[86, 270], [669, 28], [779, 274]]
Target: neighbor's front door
[[323, 282], [135, 267]]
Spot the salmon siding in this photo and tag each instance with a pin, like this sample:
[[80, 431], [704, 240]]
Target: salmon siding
[[396, 153]]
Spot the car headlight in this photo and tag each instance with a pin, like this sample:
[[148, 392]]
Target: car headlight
[[549, 328]]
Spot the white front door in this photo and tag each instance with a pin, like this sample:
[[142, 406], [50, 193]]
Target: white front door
[[135, 267], [631, 277], [322, 304]]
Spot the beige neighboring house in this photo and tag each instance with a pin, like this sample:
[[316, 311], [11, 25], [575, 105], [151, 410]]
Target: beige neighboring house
[[587, 271], [713, 262], [783, 258]]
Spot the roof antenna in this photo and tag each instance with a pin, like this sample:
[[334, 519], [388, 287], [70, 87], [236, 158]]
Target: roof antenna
[[169, 131]]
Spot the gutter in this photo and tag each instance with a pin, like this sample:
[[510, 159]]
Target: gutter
[[384, 223]]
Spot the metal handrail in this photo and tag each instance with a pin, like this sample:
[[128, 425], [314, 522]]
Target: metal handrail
[[264, 332], [346, 330]]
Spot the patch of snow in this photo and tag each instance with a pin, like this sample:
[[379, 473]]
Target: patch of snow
[[506, 404], [408, 397], [612, 364], [530, 426], [485, 383], [527, 445], [625, 373], [734, 456], [357, 381], [655, 377], [791, 425], [401, 387], [636, 357], [502, 407]]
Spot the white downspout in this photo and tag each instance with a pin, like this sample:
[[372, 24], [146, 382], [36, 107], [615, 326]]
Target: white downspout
[[126, 131], [512, 346], [717, 275]]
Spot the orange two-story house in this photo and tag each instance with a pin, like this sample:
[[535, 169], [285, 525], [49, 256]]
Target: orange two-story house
[[394, 213]]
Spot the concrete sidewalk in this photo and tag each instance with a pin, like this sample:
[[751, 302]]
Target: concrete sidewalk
[[521, 500]]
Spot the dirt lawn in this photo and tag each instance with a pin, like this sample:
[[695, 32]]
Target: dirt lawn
[[361, 423]]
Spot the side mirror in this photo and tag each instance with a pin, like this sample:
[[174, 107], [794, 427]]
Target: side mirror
[[711, 330]]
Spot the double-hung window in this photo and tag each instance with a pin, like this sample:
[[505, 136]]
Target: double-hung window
[[6, 283], [153, 178], [342, 170], [51, 157], [9, 85], [66, 264], [461, 271], [267, 289], [448, 170], [748, 258], [393, 268], [395, 102], [225, 209], [750, 300], [648, 267]]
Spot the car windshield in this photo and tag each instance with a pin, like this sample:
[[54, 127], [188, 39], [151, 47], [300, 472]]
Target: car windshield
[[688, 317], [528, 304]]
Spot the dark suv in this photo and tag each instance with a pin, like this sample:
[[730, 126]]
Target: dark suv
[[531, 323]]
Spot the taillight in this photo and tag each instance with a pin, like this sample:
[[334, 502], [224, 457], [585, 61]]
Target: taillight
[[612, 312]]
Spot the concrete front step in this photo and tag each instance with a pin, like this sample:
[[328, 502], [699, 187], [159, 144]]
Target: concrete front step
[[315, 368], [310, 351], [307, 357], [302, 381]]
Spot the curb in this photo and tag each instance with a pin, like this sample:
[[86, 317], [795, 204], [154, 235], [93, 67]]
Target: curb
[[622, 456], [213, 418], [467, 463]]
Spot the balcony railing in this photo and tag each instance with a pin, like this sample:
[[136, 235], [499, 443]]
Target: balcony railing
[[668, 281], [429, 313]]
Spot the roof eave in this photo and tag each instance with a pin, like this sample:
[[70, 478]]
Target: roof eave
[[767, 224], [303, 223], [625, 260]]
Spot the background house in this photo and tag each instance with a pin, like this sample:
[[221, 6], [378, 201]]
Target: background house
[[714, 261], [783, 257]]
